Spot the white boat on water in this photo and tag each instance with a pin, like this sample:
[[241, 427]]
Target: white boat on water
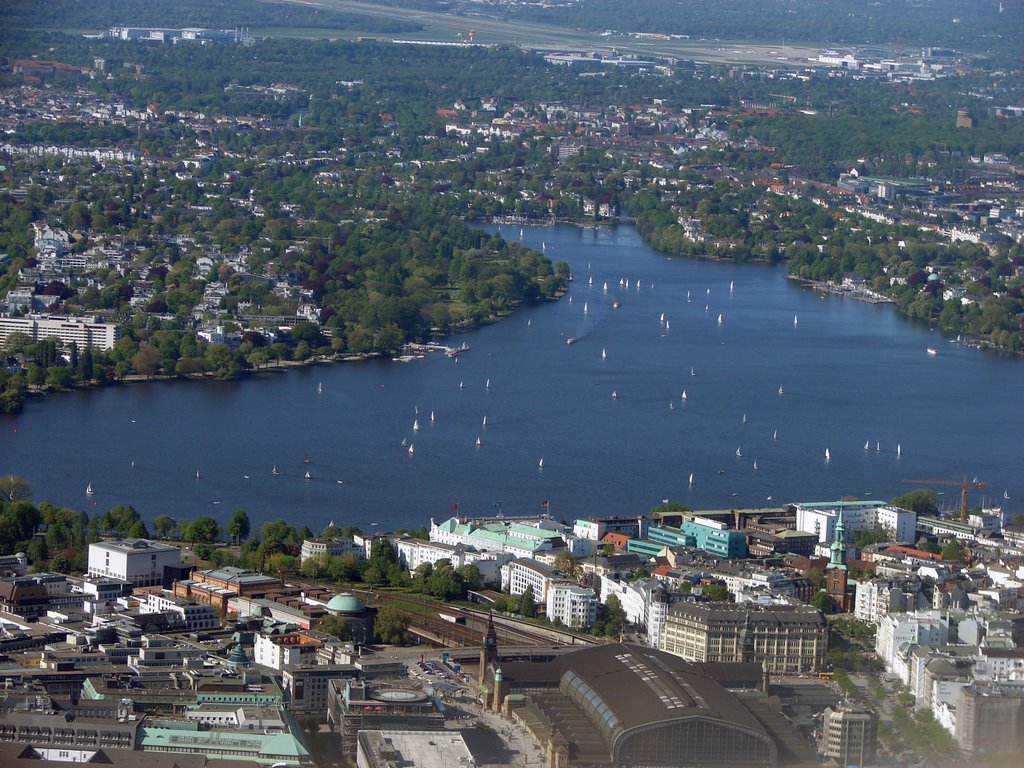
[[416, 425], [867, 445], [197, 474], [739, 453], [683, 397], [932, 351], [405, 443], [663, 317], [320, 388], [775, 435], [899, 450], [755, 465], [1006, 495], [691, 478], [614, 394], [606, 287], [308, 476], [795, 320], [487, 384], [719, 318], [744, 419], [484, 422], [584, 307], [571, 340], [730, 286], [461, 384], [604, 355], [540, 464], [431, 415], [692, 372], [780, 390], [88, 489], [668, 325], [828, 456], [411, 451], [478, 442], [590, 281], [274, 470]]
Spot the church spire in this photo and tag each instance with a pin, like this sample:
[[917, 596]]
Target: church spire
[[838, 559]]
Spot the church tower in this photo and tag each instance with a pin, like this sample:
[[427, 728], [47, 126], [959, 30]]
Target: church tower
[[835, 571]]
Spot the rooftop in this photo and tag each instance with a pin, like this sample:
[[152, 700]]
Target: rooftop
[[134, 545]]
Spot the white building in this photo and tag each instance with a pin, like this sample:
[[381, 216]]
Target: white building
[[336, 547], [138, 561], [644, 601], [84, 332], [523, 572], [898, 631], [820, 518], [876, 598], [572, 605], [191, 615], [279, 650], [412, 553]]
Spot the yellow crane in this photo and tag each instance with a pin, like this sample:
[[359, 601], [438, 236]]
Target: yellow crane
[[964, 485]]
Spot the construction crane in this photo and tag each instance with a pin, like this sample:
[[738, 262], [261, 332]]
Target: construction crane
[[964, 485]]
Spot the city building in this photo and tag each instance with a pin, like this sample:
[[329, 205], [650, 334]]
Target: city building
[[81, 331], [788, 639], [835, 571], [334, 547], [307, 686], [412, 749], [277, 650], [626, 705], [572, 605], [190, 615], [990, 719], [354, 706], [821, 517], [518, 539], [849, 735], [140, 562]]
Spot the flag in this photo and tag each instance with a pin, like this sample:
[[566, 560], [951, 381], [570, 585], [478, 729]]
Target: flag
[[455, 507], [545, 503]]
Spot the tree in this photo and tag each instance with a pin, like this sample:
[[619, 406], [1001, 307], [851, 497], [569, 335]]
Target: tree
[[391, 625], [815, 576], [527, 603], [954, 551], [162, 526], [203, 529], [716, 592], [824, 602], [13, 487], [611, 617], [569, 565], [923, 501], [238, 526], [277, 529], [146, 361], [335, 625]]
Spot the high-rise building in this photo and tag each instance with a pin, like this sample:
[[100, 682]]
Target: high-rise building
[[849, 735]]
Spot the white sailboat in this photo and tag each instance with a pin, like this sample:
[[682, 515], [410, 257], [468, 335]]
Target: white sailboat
[[461, 385], [739, 453], [621, 280], [744, 420], [431, 415], [775, 435], [1006, 495], [719, 318], [604, 354], [691, 478], [671, 406], [899, 450], [416, 425], [88, 489], [308, 476], [274, 470], [683, 395], [867, 444], [584, 307], [667, 325], [484, 422], [320, 388], [878, 447], [529, 322], [606, 287], [405, 442], [614, 394], [544, 247], [828, 456], [755, 465], [687, 297], [197, 474], [708, 292], [540, 464], [663, 317], [487, 384], [590, 281], [795, 320], [478, 442], [133, 463], [730, 286], [520, 233], [692, 372], [411, 451], [780, 389], [570, 299]]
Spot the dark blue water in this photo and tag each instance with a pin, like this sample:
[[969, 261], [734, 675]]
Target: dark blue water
[[850, 373]]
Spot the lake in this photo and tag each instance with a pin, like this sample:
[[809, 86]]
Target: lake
[[774, 376]]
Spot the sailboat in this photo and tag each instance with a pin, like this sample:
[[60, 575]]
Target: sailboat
[[460, 385], [730, 286], [684, 395], [88, 489], [867, 444], [478, 442], [775, 435], [416, 425], [692, 372], [663, 317], [687, 297], [540, 464], [320, 388], [604, 355], [828, 456], [520, 233], [274, 470], [614, 394], [544, 247], [307, 476], [405, 442], [431, 415], [197, 474], [780, 389], [691, 478], [584, 307], [529, 322], [744, 420], [719, 318], [133, 463], [739, 453], [487, 384], [411, 451], [667, 325], [485, 421], [898, 450], [671, 406], [795, 320], [590, 281], [1006, 495], [878, 446], [621, 280], [606, 287], [755, 465]]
